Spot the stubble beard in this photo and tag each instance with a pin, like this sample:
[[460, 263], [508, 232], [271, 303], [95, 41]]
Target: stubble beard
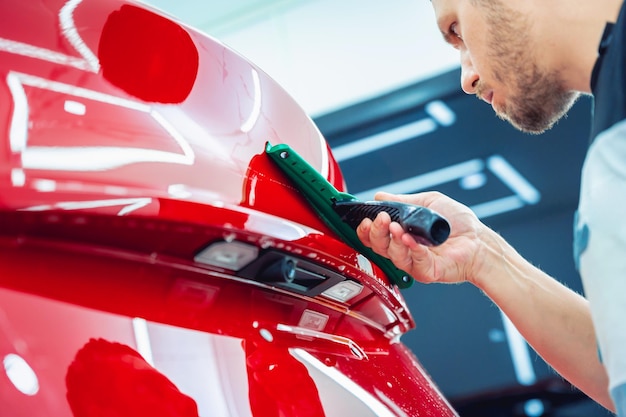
[[538, 99]]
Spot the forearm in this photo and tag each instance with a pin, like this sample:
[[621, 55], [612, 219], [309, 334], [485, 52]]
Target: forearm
[[553, 319]]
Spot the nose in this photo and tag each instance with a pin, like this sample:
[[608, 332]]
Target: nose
[[469, 76]]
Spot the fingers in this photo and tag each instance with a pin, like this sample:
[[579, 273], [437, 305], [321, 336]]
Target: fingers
[[388, 239], [375, 234], [382, 235], [397, 250]]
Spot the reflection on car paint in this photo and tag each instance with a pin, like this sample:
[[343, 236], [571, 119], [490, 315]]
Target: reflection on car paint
[[132, 144]]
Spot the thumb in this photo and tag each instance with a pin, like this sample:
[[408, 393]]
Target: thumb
[[384, 196], [424, 199], [401, 198]]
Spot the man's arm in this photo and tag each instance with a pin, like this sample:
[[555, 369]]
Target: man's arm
[[553, 319]]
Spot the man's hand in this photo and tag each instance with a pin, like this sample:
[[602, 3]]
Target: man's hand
[[456, 260]]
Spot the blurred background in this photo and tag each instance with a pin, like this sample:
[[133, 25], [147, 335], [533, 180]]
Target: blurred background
[[384, 90]]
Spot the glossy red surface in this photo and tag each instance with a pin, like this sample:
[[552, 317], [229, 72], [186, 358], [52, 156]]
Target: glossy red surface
[[129, 144]]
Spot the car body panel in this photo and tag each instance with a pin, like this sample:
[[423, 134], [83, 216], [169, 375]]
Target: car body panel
[[132, 148]]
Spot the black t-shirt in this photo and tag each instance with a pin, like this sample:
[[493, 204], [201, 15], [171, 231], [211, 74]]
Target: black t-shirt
[[600, 227]]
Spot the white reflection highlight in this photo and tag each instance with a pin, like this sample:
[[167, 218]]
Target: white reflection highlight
[[179, 191], [324, 151], [188, 153], [273, 227], [129, 205], [88, 61], [18, 177], [439, 111], [84, 158], [68, 27], [58, 87], [520, 353], [45, 186], [387, 401], [142, 339], [74, 107], [429, 179], [497, 206], [94, 158], [187, 127], [513, 179], [31, 51], [473, 181], [384, 139], [371, 402], [256, 106], [21, 374], [18, 131]]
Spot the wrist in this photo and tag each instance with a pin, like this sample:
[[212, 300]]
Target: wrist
[[492, 259]]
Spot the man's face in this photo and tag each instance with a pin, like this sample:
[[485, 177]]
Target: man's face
[[501, 62]]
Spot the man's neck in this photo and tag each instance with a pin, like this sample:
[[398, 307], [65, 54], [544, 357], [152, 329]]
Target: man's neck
[[571, 33]]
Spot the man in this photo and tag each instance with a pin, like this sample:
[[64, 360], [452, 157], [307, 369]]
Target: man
[[530, 60]]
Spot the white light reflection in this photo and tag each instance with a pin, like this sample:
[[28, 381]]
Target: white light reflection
[[399, 412], [129, 205], [384, 139], [473, 181], [68, 27], [520, 353], [513, 179], [378, 408], [188, 153], [428, 180], [256, 105], [365, 264], [18, 131], [497, 206], [273, 226], [30, 51], [325, 152], [74, 107], [534, 408], [21, 374], [18, 177], [179, 191], [439, 111], [94, 158], [58, 87], [84, 158], [471, 175], [88, 61], [45, 186], [142, 339], [343, 345]]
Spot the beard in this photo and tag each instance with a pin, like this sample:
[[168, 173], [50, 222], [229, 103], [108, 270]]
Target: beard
[[537, 103], [537, 99]]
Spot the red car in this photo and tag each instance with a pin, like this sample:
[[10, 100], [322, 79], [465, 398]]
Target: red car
[[153, 260]]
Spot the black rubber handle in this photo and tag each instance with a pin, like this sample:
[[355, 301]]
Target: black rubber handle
[[425, 225]]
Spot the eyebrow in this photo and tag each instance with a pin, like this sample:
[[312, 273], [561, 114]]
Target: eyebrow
[[447, 36]]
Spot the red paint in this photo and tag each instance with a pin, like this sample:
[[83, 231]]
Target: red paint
[[129, 143]]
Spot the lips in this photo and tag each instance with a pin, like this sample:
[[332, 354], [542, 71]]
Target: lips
[[488, 98]]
